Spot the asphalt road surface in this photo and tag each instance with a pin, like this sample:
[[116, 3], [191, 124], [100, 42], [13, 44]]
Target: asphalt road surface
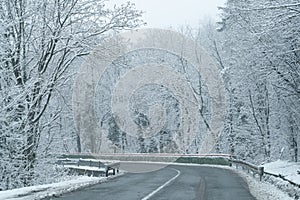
[[171, 182]]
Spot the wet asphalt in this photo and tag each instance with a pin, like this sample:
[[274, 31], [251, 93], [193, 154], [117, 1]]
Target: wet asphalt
[[191, 182]]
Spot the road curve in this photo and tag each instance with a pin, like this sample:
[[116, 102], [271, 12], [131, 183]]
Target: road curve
[[172, 182]]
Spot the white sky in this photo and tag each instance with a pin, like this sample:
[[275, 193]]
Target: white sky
[[172, 13]]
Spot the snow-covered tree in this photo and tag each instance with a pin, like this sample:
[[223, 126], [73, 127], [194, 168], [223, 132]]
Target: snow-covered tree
[[259, 51], [39, 42]]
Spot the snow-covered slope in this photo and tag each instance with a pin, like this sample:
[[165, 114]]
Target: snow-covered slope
[[289, 170], [54, 189]]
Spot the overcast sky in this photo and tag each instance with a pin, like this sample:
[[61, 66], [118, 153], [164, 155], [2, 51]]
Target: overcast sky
[[172, 13]]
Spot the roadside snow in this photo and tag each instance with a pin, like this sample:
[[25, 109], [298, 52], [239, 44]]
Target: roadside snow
[[54, 189], [262, 190], [284, 168], [273, 187]]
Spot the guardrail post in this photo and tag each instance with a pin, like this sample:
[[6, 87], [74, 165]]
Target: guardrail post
[[106, 171], [230, 161], [261, 172]]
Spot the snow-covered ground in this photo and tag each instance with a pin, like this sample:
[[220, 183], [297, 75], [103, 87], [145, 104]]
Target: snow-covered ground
[[263, 190], [288, 170], [54, 189], [284, 168], [272, 188]]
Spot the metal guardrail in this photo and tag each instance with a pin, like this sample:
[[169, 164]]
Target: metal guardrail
[[97, 164], [249, 166], [283, 178], [146, 155], [216, 159]]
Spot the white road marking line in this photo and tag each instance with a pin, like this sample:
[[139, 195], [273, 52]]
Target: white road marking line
[[162, 186]]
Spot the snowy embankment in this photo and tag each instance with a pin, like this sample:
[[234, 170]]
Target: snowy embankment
[[262, 190], [289, 170], [54, 189], [275, 188], [284, 170]]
